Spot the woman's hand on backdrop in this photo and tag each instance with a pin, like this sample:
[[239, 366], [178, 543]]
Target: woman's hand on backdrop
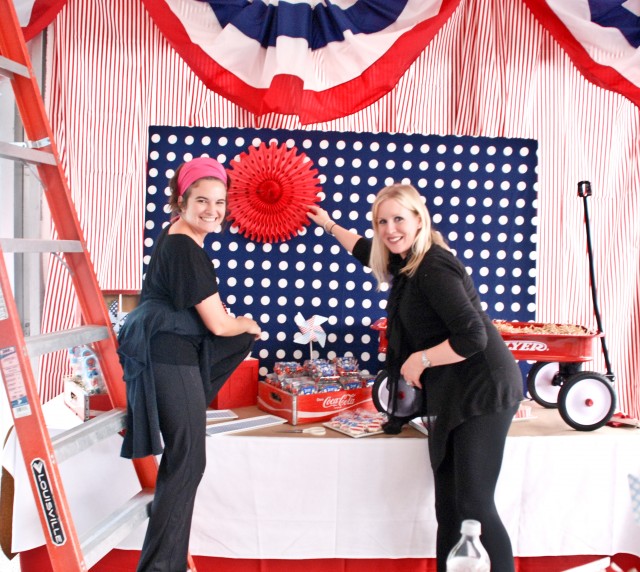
[[318, 215]]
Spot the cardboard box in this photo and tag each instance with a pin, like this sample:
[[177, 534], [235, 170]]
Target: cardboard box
[[127, 300], [314, 408], [83, 404], [241, 389], [76, 398]]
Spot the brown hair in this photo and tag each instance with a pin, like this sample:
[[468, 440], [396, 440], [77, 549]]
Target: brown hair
[[173, 202]]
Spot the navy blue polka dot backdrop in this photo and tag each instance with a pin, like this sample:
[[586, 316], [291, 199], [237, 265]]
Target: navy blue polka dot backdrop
[[481, 193]]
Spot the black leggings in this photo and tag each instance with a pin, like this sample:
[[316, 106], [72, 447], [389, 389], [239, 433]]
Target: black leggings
[[182, 411], [465, 484]]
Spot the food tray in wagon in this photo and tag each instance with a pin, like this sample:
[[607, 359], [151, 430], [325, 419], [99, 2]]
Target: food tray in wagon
[[537, 341]]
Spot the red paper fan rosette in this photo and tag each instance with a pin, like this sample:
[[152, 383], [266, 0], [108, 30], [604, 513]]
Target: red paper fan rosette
[[271, 188]]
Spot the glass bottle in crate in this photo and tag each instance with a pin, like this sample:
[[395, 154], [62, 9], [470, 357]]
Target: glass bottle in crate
[[468, 555]]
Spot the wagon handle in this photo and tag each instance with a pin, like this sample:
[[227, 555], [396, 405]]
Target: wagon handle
[[584, 191]]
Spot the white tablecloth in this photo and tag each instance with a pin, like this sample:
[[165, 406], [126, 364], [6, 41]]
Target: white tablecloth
[[561, 492]]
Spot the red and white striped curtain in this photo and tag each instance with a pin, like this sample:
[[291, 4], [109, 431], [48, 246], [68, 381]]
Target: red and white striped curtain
[[491, 70]]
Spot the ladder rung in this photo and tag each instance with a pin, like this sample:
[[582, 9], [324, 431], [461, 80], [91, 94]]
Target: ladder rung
[[19, 153], [7, 65], [37, 245], [107, 535], [81, 437], [64, 339]]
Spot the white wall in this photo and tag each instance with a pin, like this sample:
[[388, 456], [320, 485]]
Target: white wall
[[12, 210], [7, 212], [6, 230]]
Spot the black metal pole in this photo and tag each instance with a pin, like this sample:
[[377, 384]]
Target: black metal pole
[[584, 191]]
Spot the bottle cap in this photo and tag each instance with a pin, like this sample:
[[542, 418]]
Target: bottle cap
[[471, 527]]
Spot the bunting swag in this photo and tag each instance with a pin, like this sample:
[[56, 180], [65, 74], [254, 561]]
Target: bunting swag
[[317, 60], [602, 37]]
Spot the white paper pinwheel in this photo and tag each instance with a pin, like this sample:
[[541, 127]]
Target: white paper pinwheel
[[310, 330]]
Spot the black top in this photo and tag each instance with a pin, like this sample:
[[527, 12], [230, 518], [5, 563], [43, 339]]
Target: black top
[[437, 303], [165, 328], [181, 275]]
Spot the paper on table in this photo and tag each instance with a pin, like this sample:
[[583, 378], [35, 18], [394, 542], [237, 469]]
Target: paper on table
[[634, 486]]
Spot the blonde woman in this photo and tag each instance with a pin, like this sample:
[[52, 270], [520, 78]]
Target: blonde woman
[[443, 343]]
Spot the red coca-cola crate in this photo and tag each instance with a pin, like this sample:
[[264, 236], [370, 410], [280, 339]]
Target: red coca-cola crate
[[314, 408]]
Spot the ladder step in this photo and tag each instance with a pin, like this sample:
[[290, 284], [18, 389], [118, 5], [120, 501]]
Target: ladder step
[[81, 437], [107, 535], [9, 67], [28, 245], [65, 339], [20, 153]]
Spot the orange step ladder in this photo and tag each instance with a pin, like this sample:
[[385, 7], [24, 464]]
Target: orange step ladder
[[68, 551]]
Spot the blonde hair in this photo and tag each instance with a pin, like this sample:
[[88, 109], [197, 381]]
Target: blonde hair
[[408, 197]]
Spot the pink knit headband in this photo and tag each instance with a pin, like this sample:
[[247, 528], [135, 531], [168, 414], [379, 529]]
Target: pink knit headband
[[197, 169]]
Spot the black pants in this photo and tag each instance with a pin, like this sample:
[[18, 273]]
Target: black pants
[[465, 484], [182, 411]]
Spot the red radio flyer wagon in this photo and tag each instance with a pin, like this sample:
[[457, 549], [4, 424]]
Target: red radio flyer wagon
[[586, 399]]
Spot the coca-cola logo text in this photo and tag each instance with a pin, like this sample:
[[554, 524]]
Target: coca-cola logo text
[[339, 402]]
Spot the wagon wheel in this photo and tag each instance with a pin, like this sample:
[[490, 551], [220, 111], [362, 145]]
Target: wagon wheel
[[408, 399], [545, 379], [586, 401]]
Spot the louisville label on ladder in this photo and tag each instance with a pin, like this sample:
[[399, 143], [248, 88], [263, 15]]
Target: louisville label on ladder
[[68, 551]]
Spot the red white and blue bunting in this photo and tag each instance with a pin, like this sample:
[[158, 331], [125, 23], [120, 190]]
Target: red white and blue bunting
[[602, 37], [317, 60]]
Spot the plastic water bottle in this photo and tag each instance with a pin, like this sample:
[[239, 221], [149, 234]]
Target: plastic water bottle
[[468, 555]]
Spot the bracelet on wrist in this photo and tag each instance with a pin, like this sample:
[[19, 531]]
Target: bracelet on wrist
[[330, 229]]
